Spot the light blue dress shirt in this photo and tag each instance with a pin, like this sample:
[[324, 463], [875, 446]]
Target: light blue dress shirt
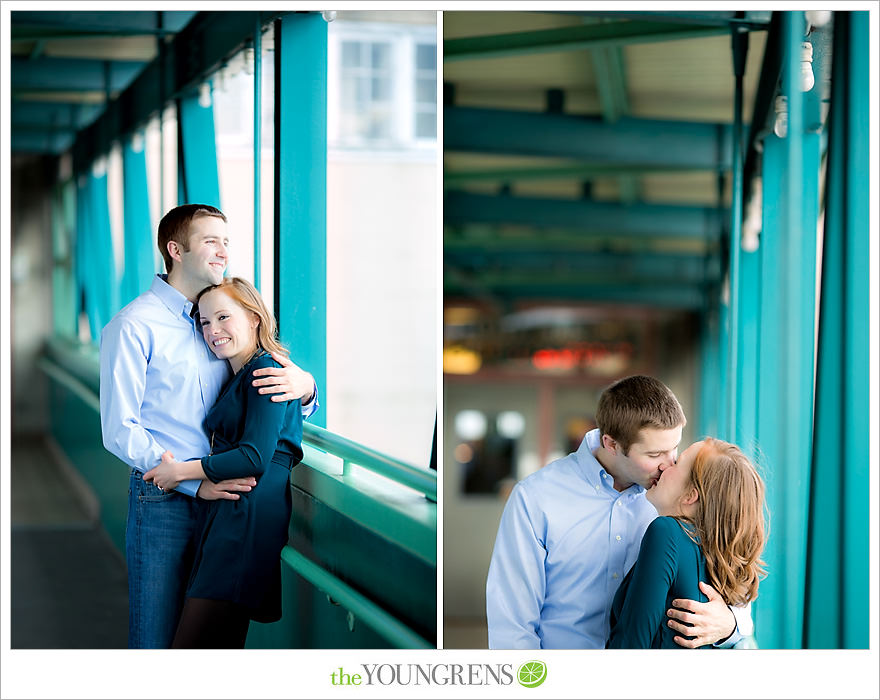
[[566, 540], [158, 380]]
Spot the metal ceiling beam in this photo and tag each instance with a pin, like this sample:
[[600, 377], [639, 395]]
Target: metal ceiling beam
[[579, 288], [754, 20], [452, 178], [40, 142], [209, 40], [591, 217], [573, 38], [48, 114], [630, 141], [70, 74], [599, 265], [48, 25]]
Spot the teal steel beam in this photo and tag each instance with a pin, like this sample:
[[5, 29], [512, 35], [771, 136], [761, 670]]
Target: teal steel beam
[[536, 260], [611, 84], [25, 24], [753, 20], [857, 515], [739, 45], [589, 217], [180, 66], [573, 288], [138, 251], [628, 142], [70, 74], [63, 282], [572, 38], [197, 165], [301, 192], [258, 96], [838, 554], [454, 178]]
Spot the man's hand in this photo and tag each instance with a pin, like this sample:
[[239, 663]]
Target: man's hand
[[164, 475], [710, 622], [225, 489], [287, 383]]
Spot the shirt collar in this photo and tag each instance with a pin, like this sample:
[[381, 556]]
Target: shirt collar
[[171, 297], [592, 470]]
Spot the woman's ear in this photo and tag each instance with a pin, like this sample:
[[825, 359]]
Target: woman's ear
[[690, 496]]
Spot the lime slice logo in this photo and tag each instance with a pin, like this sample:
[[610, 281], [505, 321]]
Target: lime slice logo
[[531, 674]]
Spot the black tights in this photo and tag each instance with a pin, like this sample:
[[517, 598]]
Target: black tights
[[211, 624]]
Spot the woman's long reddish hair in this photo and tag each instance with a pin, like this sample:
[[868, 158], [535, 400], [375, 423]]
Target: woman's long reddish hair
[[729, 520]]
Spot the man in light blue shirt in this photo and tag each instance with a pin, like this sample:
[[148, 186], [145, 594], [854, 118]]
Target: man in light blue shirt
[[158, 380], [571, 531]]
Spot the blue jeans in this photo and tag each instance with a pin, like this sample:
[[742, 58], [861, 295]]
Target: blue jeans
[[158, 551]]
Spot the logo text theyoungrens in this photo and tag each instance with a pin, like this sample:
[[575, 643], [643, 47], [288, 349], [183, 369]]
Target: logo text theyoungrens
[[425, 674]]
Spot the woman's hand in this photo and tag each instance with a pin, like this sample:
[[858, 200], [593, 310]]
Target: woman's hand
[[167, 474]]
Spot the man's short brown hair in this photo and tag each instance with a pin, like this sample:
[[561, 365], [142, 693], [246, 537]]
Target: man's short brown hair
[[175, 227], [637, 402]]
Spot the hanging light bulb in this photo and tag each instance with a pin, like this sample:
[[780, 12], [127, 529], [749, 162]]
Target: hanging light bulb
[[249, 60], [780, 126], [329, 15], [137, 142], [807, 79], [818, 18], [205, 95]]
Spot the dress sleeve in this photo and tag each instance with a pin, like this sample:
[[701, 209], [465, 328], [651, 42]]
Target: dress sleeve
[[263, 423], [516, 584], [644, 606]]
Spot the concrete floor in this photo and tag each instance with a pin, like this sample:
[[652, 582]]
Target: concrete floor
[[69, 586]]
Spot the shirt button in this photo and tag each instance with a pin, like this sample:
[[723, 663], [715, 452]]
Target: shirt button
[[615, 575], [617, 538], [619, 503]]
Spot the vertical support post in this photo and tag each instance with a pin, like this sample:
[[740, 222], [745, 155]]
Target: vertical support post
[[198, 153], [739, 45], [301, 192], [258, 98], [139, 267]]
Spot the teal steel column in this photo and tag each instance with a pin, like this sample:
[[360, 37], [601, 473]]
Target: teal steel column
[[837, 575], [197, 167], [301, 193], [64, 303], [739, 45], [745, 432], [709, 374], [771, 609], [95, 264], [857, 429], [258, 96], [139, 238], [786, 403]]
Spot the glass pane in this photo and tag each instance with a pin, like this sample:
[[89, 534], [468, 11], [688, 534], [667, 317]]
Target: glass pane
[[351, 52], [426, 57], [426, 125], [426, 91], [381, 89], [381, 56]]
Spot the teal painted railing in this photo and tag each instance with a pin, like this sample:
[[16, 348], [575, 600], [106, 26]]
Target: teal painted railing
[[363, 507]]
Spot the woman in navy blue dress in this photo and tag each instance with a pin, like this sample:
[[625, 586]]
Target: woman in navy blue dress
[[236, 574], [710, 528]]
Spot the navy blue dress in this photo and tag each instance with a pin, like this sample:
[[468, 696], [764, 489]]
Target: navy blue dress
[[238, 547], [670, 566]]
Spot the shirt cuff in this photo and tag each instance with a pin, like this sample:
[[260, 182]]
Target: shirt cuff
[[308, 409], [190, 487]]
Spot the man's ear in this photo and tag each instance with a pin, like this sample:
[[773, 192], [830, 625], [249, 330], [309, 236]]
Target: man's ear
[[691, 496], [609, 443], [173, 248]]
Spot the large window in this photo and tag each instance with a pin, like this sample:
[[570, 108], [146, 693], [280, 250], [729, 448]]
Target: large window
[[382, 85]]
